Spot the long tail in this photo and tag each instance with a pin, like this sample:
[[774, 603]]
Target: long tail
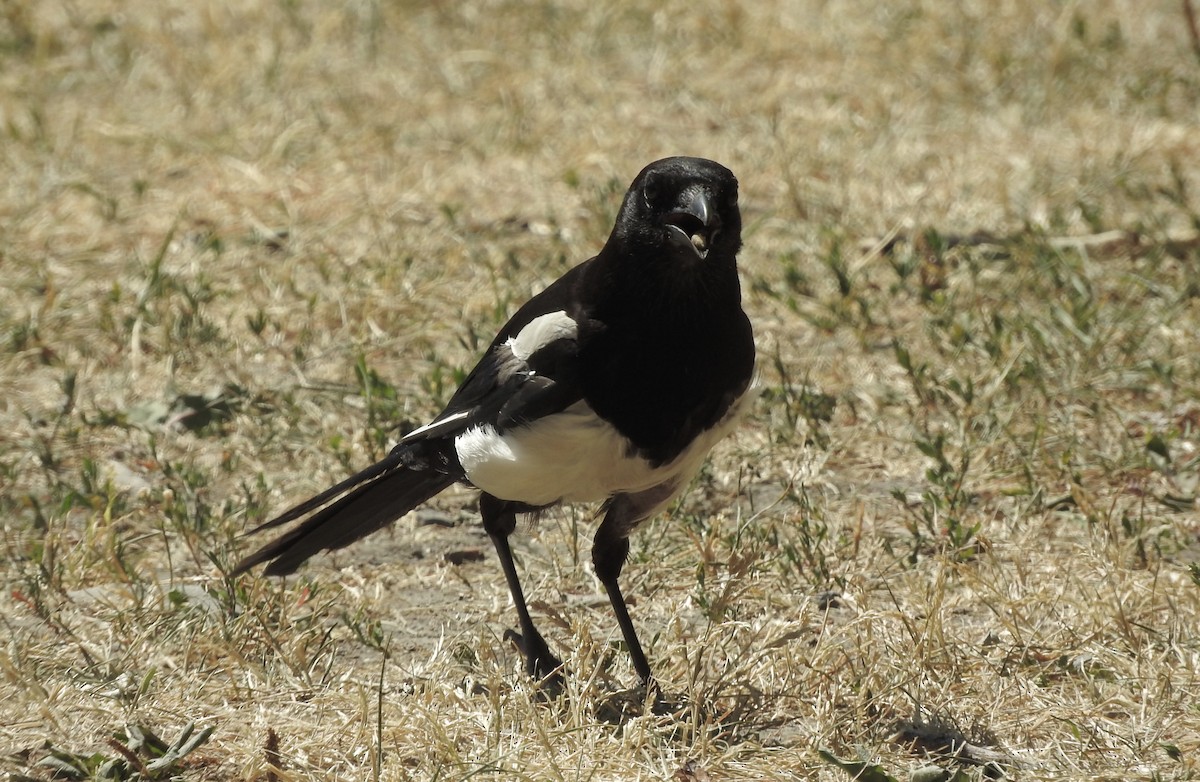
[[377, 496]]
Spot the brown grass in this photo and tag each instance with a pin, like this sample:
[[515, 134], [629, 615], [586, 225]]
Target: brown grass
[[240, 243]]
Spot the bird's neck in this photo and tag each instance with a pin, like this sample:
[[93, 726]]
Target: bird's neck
[[639, 285]]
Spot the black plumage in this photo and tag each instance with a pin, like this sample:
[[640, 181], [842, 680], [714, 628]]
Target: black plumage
[[610, 385]]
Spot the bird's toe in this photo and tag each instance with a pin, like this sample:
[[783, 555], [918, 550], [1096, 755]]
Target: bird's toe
[[540, 663]]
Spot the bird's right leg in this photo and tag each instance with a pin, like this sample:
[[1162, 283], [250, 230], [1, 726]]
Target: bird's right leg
[[499, 521]]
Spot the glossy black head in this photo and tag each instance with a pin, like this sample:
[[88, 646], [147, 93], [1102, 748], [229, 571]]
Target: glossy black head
[[683, 209]]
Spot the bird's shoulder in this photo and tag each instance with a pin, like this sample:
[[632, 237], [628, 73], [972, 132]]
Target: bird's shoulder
[[530, 369], [565, 297]]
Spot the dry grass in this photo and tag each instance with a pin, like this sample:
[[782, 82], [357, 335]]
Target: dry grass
[[241, 242]]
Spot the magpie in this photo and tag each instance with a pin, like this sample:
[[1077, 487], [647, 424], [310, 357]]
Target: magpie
[[611, 386]]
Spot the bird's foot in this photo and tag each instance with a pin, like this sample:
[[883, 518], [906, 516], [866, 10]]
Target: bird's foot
[[679, 715], [540, 663], [644, 699]]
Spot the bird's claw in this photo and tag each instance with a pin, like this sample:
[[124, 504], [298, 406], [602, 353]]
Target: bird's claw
[[540, 662]]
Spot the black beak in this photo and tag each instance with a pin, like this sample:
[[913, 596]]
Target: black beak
[[695, 225]]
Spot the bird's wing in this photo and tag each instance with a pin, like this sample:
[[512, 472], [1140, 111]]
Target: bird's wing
[[529, 371], [504, 389]]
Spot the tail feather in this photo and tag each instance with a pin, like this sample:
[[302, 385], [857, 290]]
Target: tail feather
[[378, 496], [370, 474]]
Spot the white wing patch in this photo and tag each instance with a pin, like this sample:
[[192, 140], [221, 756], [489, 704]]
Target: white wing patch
[[540, 332], [434, 426]]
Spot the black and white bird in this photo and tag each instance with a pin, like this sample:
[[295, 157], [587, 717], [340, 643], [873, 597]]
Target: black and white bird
[[611, 385]]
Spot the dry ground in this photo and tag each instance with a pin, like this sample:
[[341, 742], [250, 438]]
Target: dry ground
[[240, 243]]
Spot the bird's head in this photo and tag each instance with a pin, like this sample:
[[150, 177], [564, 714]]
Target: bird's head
[[683, 209]]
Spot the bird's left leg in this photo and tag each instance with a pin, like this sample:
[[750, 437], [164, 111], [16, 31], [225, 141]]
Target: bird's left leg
[[610, 549]]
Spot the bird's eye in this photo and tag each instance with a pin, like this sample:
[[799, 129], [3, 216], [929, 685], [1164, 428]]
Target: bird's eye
[[731, 198], [650, 194]]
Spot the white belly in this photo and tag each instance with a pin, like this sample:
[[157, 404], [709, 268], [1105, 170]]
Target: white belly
[[575, 456]]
